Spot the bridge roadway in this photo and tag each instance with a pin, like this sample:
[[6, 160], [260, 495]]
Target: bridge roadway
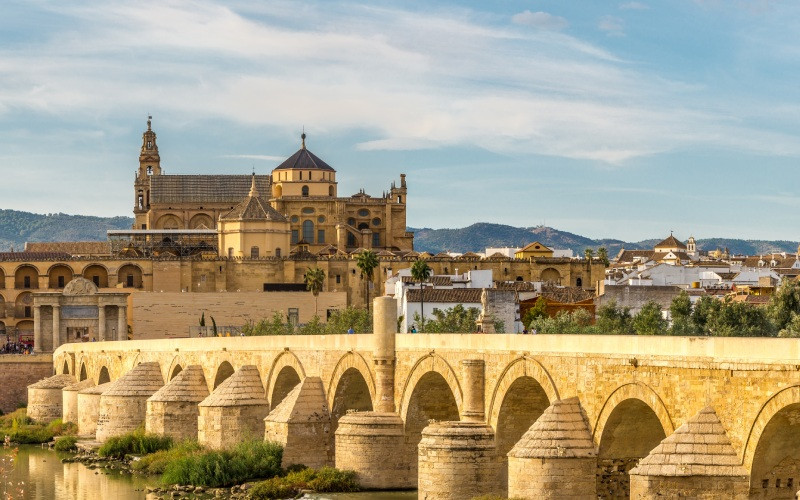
[[635, 390]]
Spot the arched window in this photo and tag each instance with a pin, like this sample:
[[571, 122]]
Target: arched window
[[277, 252], [305, 191], [578, 282], [308, 231]]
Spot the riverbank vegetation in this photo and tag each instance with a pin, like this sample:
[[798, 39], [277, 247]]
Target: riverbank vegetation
[[22, 430], [326, 479], [134, 443], [216, 468]]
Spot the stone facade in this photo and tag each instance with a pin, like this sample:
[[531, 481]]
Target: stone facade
[[172, 410], [89, 409], [235, 411], [45, 401], [69, 395], [301, 423], [123, 406], [16, 374]]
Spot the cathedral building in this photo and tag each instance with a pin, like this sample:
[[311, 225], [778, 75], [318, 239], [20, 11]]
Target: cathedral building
[[302, 189]]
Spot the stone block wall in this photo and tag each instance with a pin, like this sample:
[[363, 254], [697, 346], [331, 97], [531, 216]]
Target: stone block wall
[[696, 487], [17, 372], [224, 426], [45, 405], [119, 415], [535, 478], [177, 419], [88, 412]]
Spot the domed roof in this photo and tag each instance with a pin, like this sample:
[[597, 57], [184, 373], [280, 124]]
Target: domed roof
[[254, 208], [304, 159]]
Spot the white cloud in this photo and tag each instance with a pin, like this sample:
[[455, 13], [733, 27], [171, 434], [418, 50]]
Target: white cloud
[[612, 25], [634, 6], [540, 20]]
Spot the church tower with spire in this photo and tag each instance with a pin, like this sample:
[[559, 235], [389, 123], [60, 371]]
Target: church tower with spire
[[149, 165]]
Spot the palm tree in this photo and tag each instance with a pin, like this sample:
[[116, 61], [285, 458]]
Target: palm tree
[[420, 272], [367, 261], [315, 280], [588, 253], [602, 254]]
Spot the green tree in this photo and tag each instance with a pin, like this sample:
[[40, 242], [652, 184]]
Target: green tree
[[737, 319], [792, 329], [612, 320], [276, 325], [315, 280], [420, 272], [367, 261], [341, 320], [680, 311], [784, 305], [313, 327], [588, 254], [578, 321], [539, 310], [203, 319], [213, 326], [602, 254], [703, 313], [649, 320], [456, 319]]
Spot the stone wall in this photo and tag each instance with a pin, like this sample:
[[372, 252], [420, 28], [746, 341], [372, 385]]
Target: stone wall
[[17, 372], [637, 296], [696, 487]]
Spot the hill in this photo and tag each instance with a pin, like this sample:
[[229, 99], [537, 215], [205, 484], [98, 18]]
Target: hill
[[477, 237], [17, 227]]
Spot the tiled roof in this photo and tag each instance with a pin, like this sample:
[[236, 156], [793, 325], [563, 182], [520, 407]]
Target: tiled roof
[[517, 286], [534, 246], [243, 388], [204, 188], [700, 447], [561, 432], [565, 294], [446, 295], [671, 242], [304, 159], [54, 382], [630, 255], [33, 256], [434, 280], [70, 247], [79, 386], [188, 386], [143, 380], [254, 208]]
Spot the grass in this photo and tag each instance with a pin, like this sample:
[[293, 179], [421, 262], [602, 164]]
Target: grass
[[22, 430], [156, 463], [326, 479], [66, 443], [134, 443], [217, 468]]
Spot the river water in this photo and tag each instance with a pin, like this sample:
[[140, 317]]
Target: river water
[[32, 472]]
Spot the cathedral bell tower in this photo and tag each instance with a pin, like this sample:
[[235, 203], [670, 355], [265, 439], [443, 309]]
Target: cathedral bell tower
[[149, 164]]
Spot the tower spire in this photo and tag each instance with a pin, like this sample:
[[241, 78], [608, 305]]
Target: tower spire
[[303, 138], [253, 188]]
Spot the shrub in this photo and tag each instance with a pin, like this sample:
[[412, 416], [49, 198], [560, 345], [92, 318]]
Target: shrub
[[326, 479], [248, 460], [59, 428], [134, 443], [332, 480], [156, 463], [274, 488], [66, 443]]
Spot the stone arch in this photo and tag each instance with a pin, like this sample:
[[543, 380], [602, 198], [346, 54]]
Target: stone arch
[[551, 274], [523, 392], [59, 275], [201, 221], [224, 370], [345, 363], [169, 221], [284, 359], [2, 306], [83, 376], [2, 278], [286, 380], [24, 300], [430, 363], [26, 271], [772, 449], [65, 367], [130, 276], [174, 368], [351, 392], [631, 423], [97, 274], [103, 376]]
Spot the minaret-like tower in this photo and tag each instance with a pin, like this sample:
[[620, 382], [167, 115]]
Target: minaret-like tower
[[149, 164]]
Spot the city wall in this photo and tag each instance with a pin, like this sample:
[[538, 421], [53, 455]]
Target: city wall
[[17, 372]]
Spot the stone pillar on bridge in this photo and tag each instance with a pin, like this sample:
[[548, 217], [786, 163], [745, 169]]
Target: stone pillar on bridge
[[556, 457], [89, 409], [122, 323], [69, 395], [371, 443], [101, 323], [695, 461], [234, 411], [172, 410], [45, 402], [37, 330], [459, 459], [123, 406]]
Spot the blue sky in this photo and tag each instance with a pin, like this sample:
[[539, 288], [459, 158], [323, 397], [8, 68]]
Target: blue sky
[[609, 119]]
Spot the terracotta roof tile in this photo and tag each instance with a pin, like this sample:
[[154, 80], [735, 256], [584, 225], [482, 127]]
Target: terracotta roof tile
[[75, 248], [204, 188], [304, 159], [446, 295]]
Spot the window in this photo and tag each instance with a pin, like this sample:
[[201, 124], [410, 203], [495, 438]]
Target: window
[[96, 280], [321, 219], [149, 170], [26, 282], [294, 316], [295, 219], [578, 282], [295, 236], [301, 175], [308, 231], [330, 190], [253, 252], [277, 252], [305, 191], [376, 222], [129, 281], [60, 282], [351, 222], [399, 199], [376, 239], [149, 144], [363, 212], [144, 226], [351, 240], [308, 210], [321, 236], [338, 278]]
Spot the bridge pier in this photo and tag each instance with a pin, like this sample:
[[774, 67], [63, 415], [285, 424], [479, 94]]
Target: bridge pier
[[172, 410], [695, 461], [556, 457], [302, 424], [459, 459], [89, 409], [123, 407], [371, 443], [45, 402], [234, 412], [69, 401]]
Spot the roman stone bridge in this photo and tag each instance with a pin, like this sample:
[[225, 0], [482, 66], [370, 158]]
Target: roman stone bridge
[[739, 399]]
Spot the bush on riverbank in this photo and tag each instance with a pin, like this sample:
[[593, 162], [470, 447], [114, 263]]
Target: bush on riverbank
[[326, 479], [247, 461], [134, 443], [156, 463], [22, 430], [66, 443]]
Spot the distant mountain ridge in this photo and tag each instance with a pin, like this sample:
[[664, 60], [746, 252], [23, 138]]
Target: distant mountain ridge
[[477, 237], [17, 227]]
